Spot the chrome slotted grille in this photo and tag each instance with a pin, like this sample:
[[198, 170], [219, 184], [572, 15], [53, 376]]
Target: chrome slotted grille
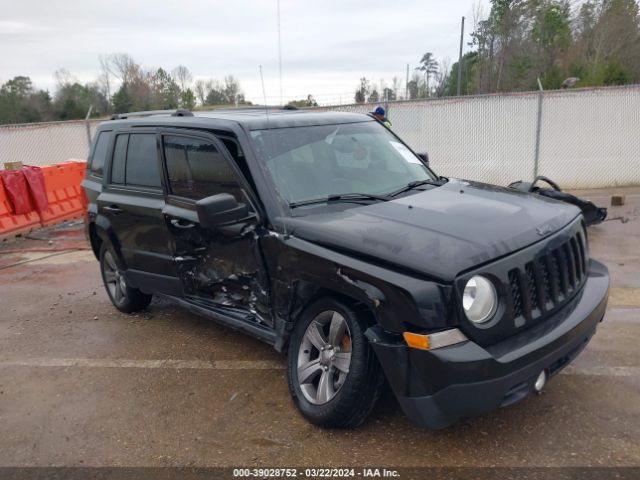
[[548, 281]]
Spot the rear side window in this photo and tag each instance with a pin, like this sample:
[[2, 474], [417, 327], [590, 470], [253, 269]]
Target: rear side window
[[119, 159], [197, 169], [142, 164], [100, 153]]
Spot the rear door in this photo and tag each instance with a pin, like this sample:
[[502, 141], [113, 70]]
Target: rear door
[[220, 266], [133, 202]]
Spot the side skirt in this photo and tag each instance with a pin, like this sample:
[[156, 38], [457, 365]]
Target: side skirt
[[153, 283], [233, 320]]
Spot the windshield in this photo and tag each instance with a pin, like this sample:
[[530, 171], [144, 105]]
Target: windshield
[[315, 162]]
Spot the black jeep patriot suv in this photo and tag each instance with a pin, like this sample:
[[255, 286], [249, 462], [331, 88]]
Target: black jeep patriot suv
[[326, 236]]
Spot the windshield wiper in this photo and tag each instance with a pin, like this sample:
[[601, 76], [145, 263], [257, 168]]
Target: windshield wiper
[[417, 183], [340, 198]]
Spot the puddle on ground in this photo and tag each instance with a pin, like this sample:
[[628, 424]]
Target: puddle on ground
[[63, 258], [46, 258]]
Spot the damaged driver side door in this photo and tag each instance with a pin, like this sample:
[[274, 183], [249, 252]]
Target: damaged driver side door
[[220, 265]]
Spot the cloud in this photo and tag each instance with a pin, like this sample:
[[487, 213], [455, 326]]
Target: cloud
[[19, 28], [326, 46]]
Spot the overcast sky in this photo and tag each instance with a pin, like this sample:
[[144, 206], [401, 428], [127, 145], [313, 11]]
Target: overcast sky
[[327, 45]]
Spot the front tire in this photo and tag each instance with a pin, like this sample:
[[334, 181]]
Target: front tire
[[125, 298], [334, 377]]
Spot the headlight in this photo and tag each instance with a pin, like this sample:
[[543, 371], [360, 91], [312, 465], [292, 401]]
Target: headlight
[[479, 299]]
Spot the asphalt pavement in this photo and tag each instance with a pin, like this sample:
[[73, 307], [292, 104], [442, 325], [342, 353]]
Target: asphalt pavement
[[82, 384]]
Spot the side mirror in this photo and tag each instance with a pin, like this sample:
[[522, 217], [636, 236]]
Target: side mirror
[[219, 209], [425, 157]]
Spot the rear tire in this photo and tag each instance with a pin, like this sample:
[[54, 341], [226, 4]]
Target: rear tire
[[334, 376], [125, 298]]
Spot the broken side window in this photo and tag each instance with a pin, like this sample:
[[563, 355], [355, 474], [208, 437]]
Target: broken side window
[[197, 169]]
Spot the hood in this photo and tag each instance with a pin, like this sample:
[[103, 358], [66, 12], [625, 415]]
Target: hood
[[442, 231]]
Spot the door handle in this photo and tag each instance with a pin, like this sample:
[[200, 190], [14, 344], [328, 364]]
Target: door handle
[[182, 224], [113, 209]]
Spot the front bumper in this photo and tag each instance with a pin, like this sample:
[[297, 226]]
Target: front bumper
[[437, 387]]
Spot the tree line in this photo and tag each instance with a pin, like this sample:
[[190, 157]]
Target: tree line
[[563, 44], [559, 43], [138, 89]]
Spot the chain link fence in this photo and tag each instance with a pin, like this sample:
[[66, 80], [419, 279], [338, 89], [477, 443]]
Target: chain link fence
[[584, 138], [46, 143]]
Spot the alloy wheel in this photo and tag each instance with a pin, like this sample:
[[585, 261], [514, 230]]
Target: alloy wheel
[[324, 357], [114, 278]]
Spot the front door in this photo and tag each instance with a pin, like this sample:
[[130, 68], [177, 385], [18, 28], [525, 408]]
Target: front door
[[220, 266]]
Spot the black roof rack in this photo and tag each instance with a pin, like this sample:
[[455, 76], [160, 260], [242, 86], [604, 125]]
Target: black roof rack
[[252, 108], [149, 113]]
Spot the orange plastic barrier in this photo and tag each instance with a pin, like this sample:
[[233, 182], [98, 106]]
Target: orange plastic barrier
[[66, 200], [11, 224], [66, 196]]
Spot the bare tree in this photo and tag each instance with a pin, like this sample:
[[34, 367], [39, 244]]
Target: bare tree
[[442, 76], [202, 89], [123, 66], [383, 88], [374, 96], [414, 86], [477, 15], [104, 79], [183, 76], [231, 89], [395, 85], [363, 91], [63, 78]]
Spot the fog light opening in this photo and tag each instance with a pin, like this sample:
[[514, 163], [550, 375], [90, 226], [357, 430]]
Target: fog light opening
[[540, 382]]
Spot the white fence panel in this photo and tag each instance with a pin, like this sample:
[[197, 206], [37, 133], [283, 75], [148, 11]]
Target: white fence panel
[[589, 138], [45, 143]]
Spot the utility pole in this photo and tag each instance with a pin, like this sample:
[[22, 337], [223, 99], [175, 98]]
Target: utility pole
[[88, 125], [460, 58], [279, 52], [536, 153], [406, 85]]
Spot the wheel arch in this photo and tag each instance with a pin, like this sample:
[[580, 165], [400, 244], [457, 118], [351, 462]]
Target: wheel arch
[[350, 301], [305, 271], [101, 232], [95, 240], [305, 292]]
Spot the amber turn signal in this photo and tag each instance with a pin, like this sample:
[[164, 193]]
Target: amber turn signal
[[434, 340], [415, 340]]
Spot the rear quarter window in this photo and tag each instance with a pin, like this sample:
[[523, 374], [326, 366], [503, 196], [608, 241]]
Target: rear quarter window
[[99, 154], [119, 159]]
